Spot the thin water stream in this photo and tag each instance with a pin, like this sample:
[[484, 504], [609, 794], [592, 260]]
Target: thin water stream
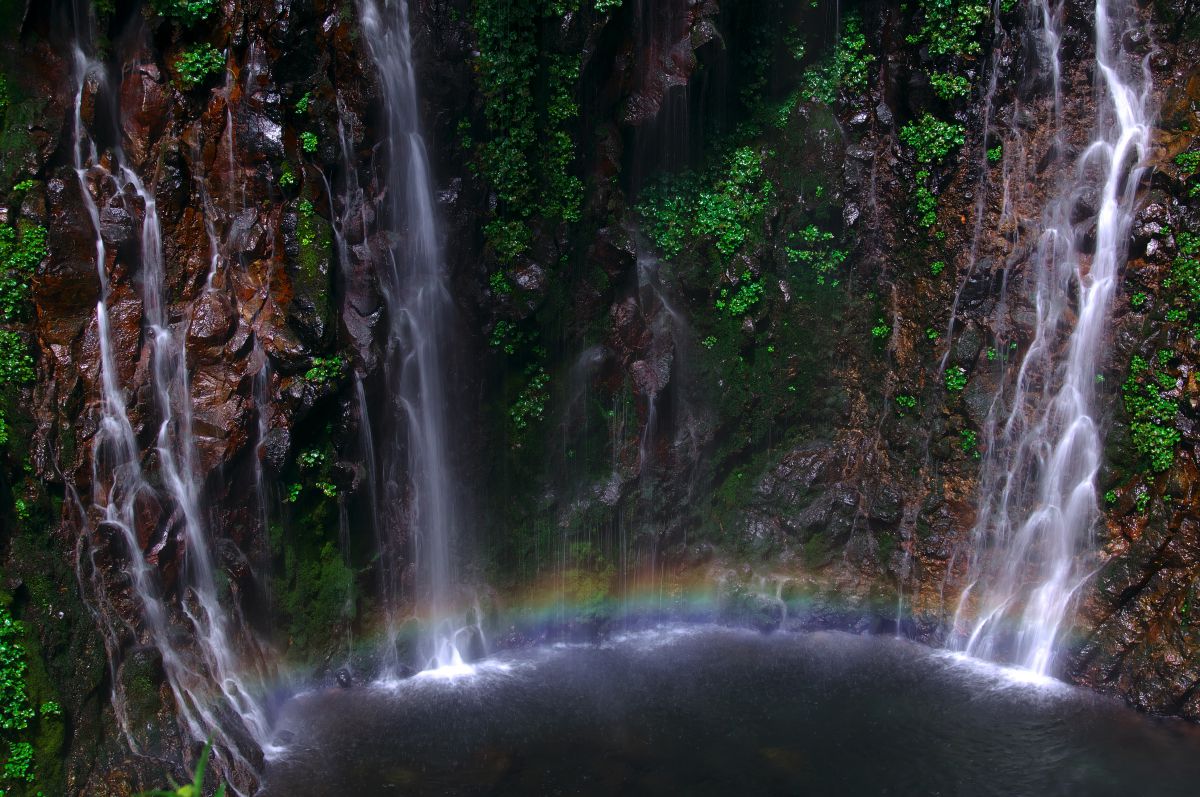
[[1032, 541]]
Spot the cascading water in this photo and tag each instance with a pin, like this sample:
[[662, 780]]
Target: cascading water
[[213, 697], [1039, 503], [420, 309]]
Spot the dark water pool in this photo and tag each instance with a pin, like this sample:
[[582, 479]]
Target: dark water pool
[[710, 711]]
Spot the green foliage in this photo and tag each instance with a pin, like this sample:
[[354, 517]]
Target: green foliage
[[951, 27], [19, 765], [197, 63], [308, 142], [906, 403], [505, 337], [937, 267], [968, 441], [509, 238], [1188, 162], [604, 6], [530, 405], [931, 333], [499, 283], [325, 369], [16, 364], [956, 379], [881, 330], [995, 154], [1151, 413], [187, 12], [817, 253], [1138, 299], [748, 293], [196, 787], [948, 86], [21, 249], [1142, 502], [924, 201], [287, 178], [15, 711], [303, 103], [1110, 497], [725, 206], [529, 104], [931, 138], [844, 68], [727, 212]]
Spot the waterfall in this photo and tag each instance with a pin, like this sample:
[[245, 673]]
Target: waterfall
[[1032, 539], [214, 698], [420, 309]]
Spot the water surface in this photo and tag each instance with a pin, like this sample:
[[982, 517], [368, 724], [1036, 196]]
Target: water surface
[[715, 711]]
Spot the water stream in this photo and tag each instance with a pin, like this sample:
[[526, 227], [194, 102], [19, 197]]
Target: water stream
[[416, 453], [1032, 541], [215, 689]]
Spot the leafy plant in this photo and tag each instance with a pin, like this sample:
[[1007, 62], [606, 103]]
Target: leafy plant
[[817, 252], [1188, 162], [956, 379], [949, 87], [187, 12], [308, 142], [936, 267], [197, 63], [531, 403], [1151, 413], [951, 27], [995, 154], [844, 68], [906, 402], [325, 369], [21, 249], [196, 787], [287, 178], [925, 202], [748, 293], [932, 139]]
